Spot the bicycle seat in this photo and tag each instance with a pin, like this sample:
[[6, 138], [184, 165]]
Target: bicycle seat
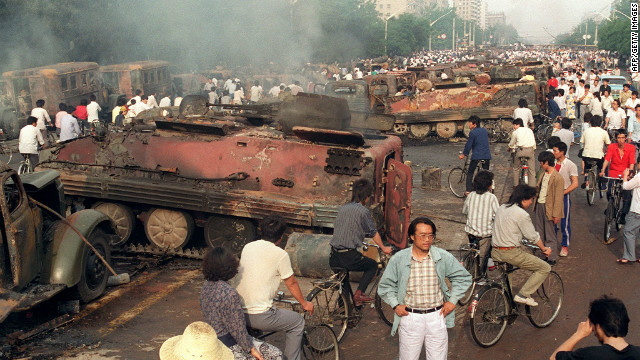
[[504, 266]]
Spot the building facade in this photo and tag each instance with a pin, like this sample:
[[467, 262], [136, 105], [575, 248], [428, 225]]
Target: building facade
[[493, 19], [469, 10], [388, 8]]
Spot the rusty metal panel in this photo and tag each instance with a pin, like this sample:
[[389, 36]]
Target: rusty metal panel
[[9, 301], [397, 210]]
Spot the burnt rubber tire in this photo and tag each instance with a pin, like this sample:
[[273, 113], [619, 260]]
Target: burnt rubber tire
[[93, 280]]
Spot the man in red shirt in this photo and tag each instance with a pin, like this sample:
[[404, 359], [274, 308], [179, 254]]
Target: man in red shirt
[[82, 115], [620, 156], [553, 82]]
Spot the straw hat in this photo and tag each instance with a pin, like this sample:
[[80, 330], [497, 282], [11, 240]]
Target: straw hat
[[199, 341]]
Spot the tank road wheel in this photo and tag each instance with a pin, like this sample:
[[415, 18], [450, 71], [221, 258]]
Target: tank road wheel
[[400, 129], [465, 129], [168, 228], [229, 232], [93, 279], [122, 218], [420, 131], [446, 129]]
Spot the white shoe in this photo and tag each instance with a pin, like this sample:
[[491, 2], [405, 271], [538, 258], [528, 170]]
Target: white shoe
[[527, 301]]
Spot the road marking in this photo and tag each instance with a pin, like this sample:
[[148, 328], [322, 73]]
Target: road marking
[[148, 302], [121, 290]]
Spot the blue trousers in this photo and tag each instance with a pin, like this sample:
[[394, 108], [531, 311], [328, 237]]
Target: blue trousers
[[565, 223]]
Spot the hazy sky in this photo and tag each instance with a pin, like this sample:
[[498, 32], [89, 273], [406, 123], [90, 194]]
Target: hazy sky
[[531, 17]]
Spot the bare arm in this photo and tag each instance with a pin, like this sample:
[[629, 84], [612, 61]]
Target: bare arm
[[584, 329], [573, 186], [378, 240], [294, 288]]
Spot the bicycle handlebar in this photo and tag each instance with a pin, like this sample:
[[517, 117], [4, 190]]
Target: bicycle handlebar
[[611, 178]]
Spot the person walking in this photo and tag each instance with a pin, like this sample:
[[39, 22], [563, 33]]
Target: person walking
[[569, 172], [478, 145], [632, 223], [549, 206], [414, 285], [30, 137]]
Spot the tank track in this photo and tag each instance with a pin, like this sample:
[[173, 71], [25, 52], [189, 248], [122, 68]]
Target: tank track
[[192, 253]]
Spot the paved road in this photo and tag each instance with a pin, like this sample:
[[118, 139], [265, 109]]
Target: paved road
[[132, 321]]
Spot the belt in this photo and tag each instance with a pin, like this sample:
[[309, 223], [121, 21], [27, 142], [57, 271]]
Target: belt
[[340, 250], [426, 311], [505, 247]]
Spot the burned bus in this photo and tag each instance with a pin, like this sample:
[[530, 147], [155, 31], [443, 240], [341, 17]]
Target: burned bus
[[63, 82], [150, 76]]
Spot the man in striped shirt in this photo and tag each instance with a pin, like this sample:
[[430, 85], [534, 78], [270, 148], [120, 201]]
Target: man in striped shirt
[[480, 207], [354, 223]]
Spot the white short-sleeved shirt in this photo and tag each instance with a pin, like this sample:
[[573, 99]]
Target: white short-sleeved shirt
[[524, 114], [262, 266], [633, 104], [594, 139], [615, 119], [567, 169]]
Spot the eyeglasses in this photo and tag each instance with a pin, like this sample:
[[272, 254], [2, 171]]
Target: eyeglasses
[[430, 236]]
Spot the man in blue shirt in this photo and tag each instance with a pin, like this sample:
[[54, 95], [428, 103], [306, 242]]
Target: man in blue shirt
[[554, 109], [478, 145]]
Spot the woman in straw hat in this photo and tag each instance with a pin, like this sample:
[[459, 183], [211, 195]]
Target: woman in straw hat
[[199, 341], [221, 308]]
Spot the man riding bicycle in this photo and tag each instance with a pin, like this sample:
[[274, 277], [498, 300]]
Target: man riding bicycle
[[594, 140], [511, 225], [523, 144], [30, 137]]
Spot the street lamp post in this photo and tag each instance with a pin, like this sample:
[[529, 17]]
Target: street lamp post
[[386, 21], [435, 21]]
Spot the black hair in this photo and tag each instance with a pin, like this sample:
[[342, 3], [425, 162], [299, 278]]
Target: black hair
[[627, 85], [621, 132], [587, 86], [219, 264], [84, 102], [92, 97], [518, 121], [361, 190], [596, 120], [634, 93], [561, 92], [421, 220], [62, 106], [588, 117], [482, 182], [522, 103], [474, 119], [133, 101], [552, 141], [522, 192], [40, 103], [121, 101], [616, 101], [566, 123], [272, 227], [561, 146], [611, 315], [547, 157], [597, 95], [138, 92], [144, 97], [31, 120]]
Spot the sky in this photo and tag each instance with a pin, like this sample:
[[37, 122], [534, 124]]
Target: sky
[[532, 17]]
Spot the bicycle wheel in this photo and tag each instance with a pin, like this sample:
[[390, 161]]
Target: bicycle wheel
[[540, 134], [549, 298], [524, 177], [6, 151], [331, 307], [489, 316], [591, 189], [470, 262], [457, 182], [608, 220], [385, 312], [51, 138], [320, 343]]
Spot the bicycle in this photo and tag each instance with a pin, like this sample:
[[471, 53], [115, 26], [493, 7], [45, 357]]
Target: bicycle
[[543, 130], [523, 179], [493, 307], [592, 182], [471, 262], [319, 342], [5, 149], [25, 166], [457, 178], [496, 132], [614, 207], [332, 299]]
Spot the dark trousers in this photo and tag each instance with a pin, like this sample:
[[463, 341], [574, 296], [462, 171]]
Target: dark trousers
[[353, 260], [472, 167]]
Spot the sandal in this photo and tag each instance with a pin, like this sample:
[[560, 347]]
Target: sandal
[[609, 241], [624, 261]]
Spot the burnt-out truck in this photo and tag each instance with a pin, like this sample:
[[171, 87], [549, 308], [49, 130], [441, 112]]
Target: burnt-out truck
[[225, 174]]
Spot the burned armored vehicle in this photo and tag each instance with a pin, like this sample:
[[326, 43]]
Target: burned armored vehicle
[[226, 173]]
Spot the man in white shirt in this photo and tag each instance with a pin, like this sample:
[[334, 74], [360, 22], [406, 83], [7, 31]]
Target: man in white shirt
[[523, 144], [296, 88], [632, 223], [562, 102], [262, 266], [255, 92], [42, 116], [594, 140], [580, 94], [569, 172], [69, 128], [275, 91], [137, 98], [565, 134], [151, 101], [165, 101], [564, 86], [631, 104], [93, 109], [141, 105], [30, 137]]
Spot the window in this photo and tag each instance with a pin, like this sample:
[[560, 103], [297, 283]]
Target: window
[[72, 80], [344, 90], [153, 76], [388, 6], [146, 77], [159, 75], [63, 83], [91, 77], [83, 77]]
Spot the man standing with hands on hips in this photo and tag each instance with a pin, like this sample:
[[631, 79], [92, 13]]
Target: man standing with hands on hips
[[414, 284]]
